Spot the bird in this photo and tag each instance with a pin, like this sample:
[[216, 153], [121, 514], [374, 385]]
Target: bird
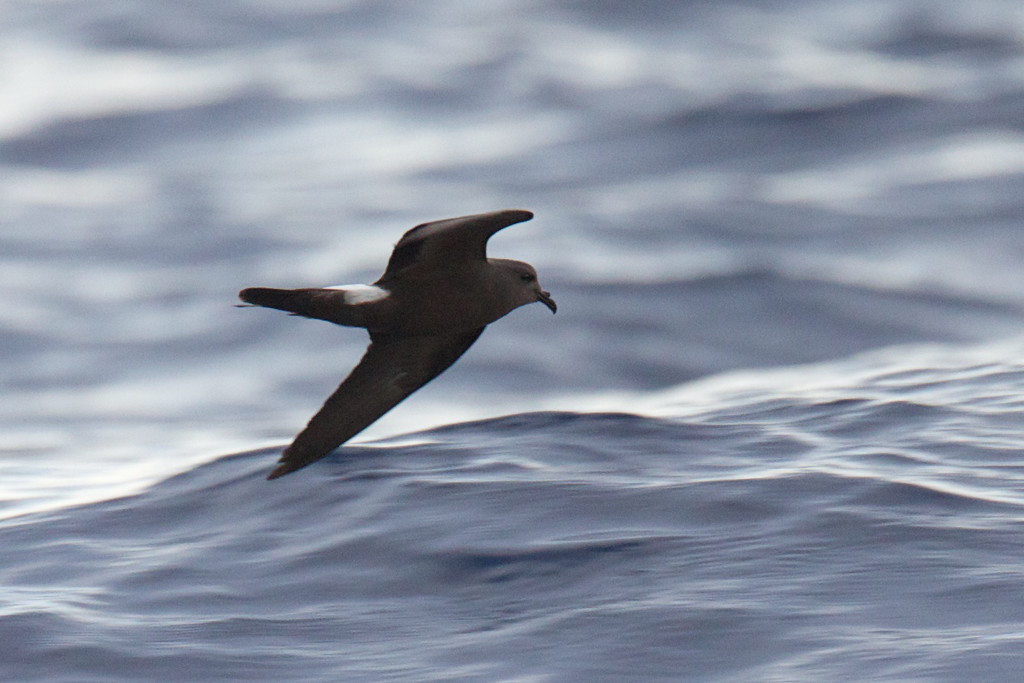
[[437, 294]]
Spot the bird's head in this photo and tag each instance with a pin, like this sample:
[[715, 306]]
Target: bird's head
[[520, 284]]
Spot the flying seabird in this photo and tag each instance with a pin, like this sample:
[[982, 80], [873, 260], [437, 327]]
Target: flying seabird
[[436, 296]]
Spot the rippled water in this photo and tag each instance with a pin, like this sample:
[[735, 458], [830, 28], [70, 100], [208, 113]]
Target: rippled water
[[772, 433]]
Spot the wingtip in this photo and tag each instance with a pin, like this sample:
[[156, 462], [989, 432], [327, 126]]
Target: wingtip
[[280, 471], [519, 215]]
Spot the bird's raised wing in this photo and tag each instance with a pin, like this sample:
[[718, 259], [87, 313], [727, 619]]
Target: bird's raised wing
[[390, 370], [450, 240]]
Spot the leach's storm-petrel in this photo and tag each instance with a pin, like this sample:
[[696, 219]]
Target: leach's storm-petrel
[[436, 296]]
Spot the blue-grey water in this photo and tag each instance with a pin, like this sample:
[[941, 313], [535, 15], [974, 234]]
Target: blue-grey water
[[773, 434]]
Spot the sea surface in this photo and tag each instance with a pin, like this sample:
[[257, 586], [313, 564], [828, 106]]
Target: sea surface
[[775, 432]]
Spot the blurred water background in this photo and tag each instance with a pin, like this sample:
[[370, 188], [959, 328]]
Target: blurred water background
[[772, 434]]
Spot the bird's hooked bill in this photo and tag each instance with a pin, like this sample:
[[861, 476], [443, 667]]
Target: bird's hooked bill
[[545, 298]]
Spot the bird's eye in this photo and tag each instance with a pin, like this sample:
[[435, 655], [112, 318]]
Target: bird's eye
[[527, 277]]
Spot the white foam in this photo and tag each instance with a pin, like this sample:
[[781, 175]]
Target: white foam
[[362, 294]]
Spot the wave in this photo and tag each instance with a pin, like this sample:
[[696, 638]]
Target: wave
[[726, 505]]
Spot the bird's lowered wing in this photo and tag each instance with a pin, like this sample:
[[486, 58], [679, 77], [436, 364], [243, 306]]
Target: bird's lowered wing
[[450, 240], [391, 369]]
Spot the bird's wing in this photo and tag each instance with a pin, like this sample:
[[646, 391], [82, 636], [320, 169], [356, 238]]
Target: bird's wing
[[391, 369], [450, 240]]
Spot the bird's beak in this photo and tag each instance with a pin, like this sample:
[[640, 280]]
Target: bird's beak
[[545, 298]]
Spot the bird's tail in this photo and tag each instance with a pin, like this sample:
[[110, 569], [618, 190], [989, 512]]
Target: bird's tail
[[322, 304]]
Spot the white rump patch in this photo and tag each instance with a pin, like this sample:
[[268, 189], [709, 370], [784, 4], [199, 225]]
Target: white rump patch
[[362, 294]]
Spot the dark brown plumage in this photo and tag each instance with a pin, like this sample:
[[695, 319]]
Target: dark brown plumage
[[434, 299]]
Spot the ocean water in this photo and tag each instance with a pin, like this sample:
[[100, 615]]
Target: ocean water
[[774, 432]]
